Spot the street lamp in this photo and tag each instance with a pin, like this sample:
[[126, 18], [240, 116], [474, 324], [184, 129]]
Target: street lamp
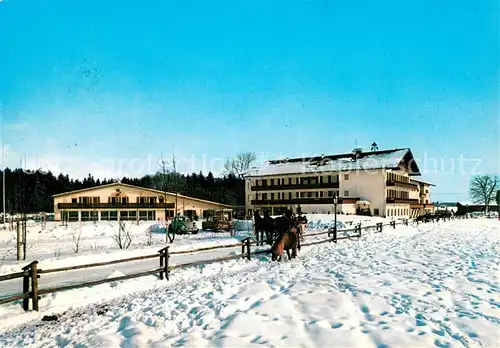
[[334, 229]]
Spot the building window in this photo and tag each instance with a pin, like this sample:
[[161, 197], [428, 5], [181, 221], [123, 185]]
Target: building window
[[113, 215], [272, 194], [321, 194], [264, 196], [330, 193], [297, 195], [329, 179], [289, 195], [72, 216], [74, 200], [346, 176], [85, 215], [346, 193]]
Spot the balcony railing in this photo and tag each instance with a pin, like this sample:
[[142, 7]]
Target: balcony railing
[[401, 184], [275, 187], [115, 205], [305, 200], [401, 200], [421, 205]]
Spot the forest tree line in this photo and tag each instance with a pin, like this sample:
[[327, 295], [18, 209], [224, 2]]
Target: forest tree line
[[32, 192]]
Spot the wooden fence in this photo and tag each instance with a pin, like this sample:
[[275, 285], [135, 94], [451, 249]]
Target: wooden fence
[[31, 273]]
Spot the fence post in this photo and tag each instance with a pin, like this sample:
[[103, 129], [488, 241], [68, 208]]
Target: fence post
[[34, 285], [26, 287], [393, 223], [167, 257], [161, 262], [31, 274], [248, 248], [18, 239], [359, 229]]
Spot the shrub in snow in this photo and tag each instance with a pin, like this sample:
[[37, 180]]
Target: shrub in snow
[[123, 238], [77, 238]]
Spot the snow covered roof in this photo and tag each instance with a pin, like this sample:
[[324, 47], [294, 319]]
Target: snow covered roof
[[385, 159], [423, 182], [121, 184]]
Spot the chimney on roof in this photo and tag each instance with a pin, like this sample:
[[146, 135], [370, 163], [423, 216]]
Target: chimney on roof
[[356, 153]]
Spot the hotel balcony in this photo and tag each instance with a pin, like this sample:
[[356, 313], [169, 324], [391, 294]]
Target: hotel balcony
[[421, 205], [303, 201], [276, 187], [115, 206], [401, 184], [401, 200]]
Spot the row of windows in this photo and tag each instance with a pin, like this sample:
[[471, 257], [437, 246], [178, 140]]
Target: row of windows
[[118, 200], [397, 194], [296, 194], [397, 177], [398, 212], [302, 180], [112, 215]]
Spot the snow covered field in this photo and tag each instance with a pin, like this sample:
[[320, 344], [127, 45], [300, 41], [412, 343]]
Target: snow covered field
[[55, 245], [436, 284]]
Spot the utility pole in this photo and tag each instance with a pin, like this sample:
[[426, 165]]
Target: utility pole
[[176, 181], [3, 163]]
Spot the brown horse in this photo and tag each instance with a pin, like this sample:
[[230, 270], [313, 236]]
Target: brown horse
[[285, 242]]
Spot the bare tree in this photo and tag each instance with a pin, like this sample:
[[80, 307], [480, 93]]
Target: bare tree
[[482, 188], [168, 179], [239, 164], [122, 237], [77, 238], [149, 236]]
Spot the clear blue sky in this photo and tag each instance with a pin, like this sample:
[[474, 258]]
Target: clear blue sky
[[90, 85]]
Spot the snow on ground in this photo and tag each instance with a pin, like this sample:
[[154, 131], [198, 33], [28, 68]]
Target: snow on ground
[[60, 238], [435, 284], [55, 245]]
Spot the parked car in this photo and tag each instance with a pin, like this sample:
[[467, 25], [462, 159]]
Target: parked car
[[221, 221], [182, 225]]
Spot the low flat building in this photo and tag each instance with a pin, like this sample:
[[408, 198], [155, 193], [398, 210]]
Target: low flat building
[[374, 182], [127, 202]]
